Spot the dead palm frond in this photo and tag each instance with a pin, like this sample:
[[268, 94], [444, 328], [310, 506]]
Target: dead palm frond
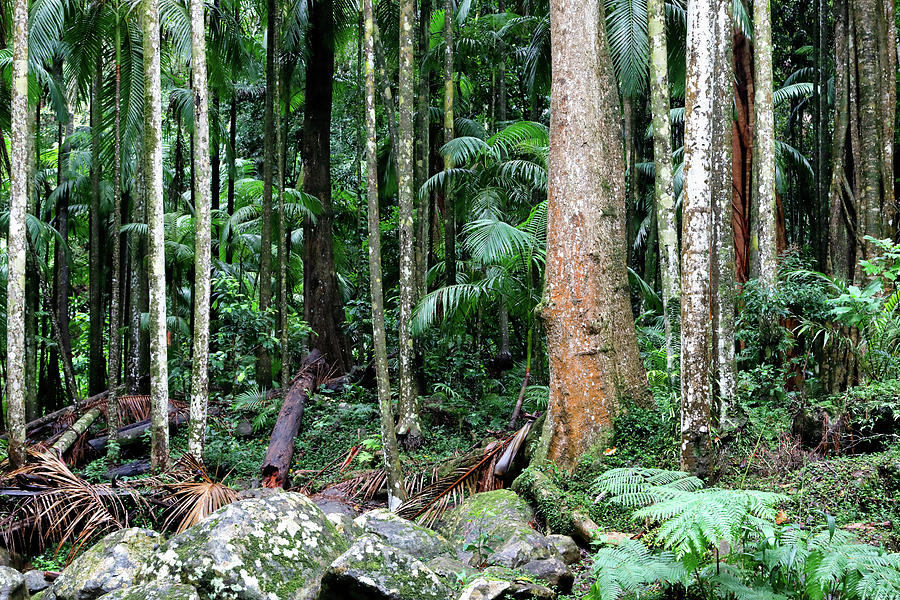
[[64, 507], [473, 473], [193, 494]]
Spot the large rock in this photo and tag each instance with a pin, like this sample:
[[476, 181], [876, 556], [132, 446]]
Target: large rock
[[451, 571], [494, 528], [566, 547], [12, 585], [372, 570], [552, 570], [109, 565], [35, 581], [155, 590], [272, 548], [420, 542], [487, 588]]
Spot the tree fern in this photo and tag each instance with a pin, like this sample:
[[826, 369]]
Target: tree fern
[[629, 567]]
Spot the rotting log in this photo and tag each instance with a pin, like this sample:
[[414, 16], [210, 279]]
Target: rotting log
[[132, 434], [32, 427], [552, 503], [132, 469], [75, 431], [281, 443]]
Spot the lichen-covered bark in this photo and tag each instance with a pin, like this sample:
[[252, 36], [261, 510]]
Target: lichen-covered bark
[[153, 180], [764, 144], [423, 100], [388, 434], [409, 428], [594, 360], [203, 233], [707, 189], [138, 359], [115, 313], [449, 204], [666, 217], [16, 242]]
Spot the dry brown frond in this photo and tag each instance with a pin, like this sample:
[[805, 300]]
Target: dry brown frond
[[193, 494]]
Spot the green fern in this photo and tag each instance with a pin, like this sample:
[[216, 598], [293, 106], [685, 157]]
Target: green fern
[[629, 568]]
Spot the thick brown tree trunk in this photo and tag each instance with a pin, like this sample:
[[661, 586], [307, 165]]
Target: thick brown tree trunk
[[594, 361], [322, 303]]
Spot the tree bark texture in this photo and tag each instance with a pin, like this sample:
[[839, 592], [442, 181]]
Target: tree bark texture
[[97, 377], [203, 234], [16, 241], [449, 127], [322, 303], [153, 180], [264, 361], [764, 234], [707, 187], [594, 361], [396, 491]]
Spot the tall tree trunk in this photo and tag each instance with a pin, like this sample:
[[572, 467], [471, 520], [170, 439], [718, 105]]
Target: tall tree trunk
[[153, 179], [865, 106], [203, 242], [744, 215], [409, 428], [707, 186], [32, 265], [322, 303], [264, 362], [17, 242], [396, 491], [60, 253], [594, 360], [666, 216], [423, 101], [283, 239], [97, 378], [764, 145], [232, 172], [138, 361], [115, 318], [449, 204]]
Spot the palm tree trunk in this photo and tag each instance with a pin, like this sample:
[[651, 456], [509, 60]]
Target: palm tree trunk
[[409, 427], [764, 145], [16, 241], [396, 491], [153, 177], [264, 363], [594, 358], [203, 243], [115, 337], [666, 216], [449, 205], [97, 379], [232, 172]]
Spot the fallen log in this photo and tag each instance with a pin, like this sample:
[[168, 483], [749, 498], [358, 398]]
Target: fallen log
[[552, 502], [132, 469], [75, 431], [32, 427], [281, 443], [132, 434]]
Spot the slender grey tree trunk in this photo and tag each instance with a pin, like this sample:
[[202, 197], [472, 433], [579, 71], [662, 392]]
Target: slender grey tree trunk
[[115, 314], [283, 240], [264, 363], [594, 360], [409, 428], [449, 204], [707, 187], [423, 101], [153, 179], [16, 242], [396, 491], [666, 216], [97, 379], [765, 237], [203, 232]]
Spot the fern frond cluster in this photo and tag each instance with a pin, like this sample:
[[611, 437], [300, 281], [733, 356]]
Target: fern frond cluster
[[721, 543]]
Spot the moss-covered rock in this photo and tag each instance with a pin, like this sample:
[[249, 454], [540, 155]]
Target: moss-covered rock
[[449, 570], [109, 565], [566, 547], [156, 590], [372, 570], [418, 541], [495, 528], [274, 548], [12, 585]]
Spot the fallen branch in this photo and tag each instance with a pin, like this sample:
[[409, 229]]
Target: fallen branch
[[132, 434], [75, 431], [281, 443], [32, 427], [552, 502]]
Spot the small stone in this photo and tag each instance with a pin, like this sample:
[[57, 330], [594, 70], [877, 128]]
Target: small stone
[[244, 429], [35, 581], [449, 569], [485, 589], [566, 547], [12, 585]]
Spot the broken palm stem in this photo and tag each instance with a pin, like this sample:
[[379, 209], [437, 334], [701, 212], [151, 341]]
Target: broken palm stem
[[518, 409], [77, 429]]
